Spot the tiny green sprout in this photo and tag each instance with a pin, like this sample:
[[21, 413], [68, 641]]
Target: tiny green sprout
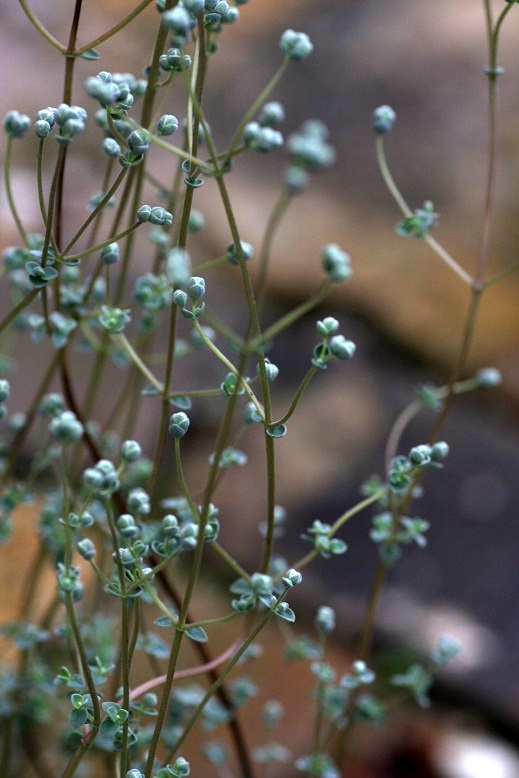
[[384, 118], [295, 45], [178, 424], [40, 276], [323, 544], [16, 124], [399, 476], [167, 125], [336, 263], [283, 610], [418, 681], [428, 394], [114, 320], [419, 223]]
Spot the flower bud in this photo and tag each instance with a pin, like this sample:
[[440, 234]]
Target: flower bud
[[327, 326], [325, 620], [167, 125], [16, 124], [178, 424], [66, 428], [110, 254], [336, 263], [487, 378], [196, 288], [5, 390], [295, 45], [111, 148], [42, 128], [341, 348], [247, 251], [86, 548], [383, 119], [271, 114], [130, 450]]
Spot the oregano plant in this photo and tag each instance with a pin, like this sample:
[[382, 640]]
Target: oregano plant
[[97, 683]]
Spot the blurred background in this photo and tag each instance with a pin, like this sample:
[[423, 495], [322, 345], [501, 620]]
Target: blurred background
[[403, 308]]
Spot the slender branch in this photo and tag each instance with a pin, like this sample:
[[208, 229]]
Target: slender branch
[[114, 30], [41, 29]]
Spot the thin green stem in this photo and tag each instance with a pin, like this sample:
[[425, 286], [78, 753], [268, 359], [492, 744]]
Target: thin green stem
[[337, 525], [99, 246], [183, 484], [41, 29], [229, 365], [125, 344], [114, 30], [221, 678], [86, 743], [99, 207], [254, 108], [292, 316], [9, 191], [298, 395], [13, 313], [276, 215], [402, 204], [175, 150]]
